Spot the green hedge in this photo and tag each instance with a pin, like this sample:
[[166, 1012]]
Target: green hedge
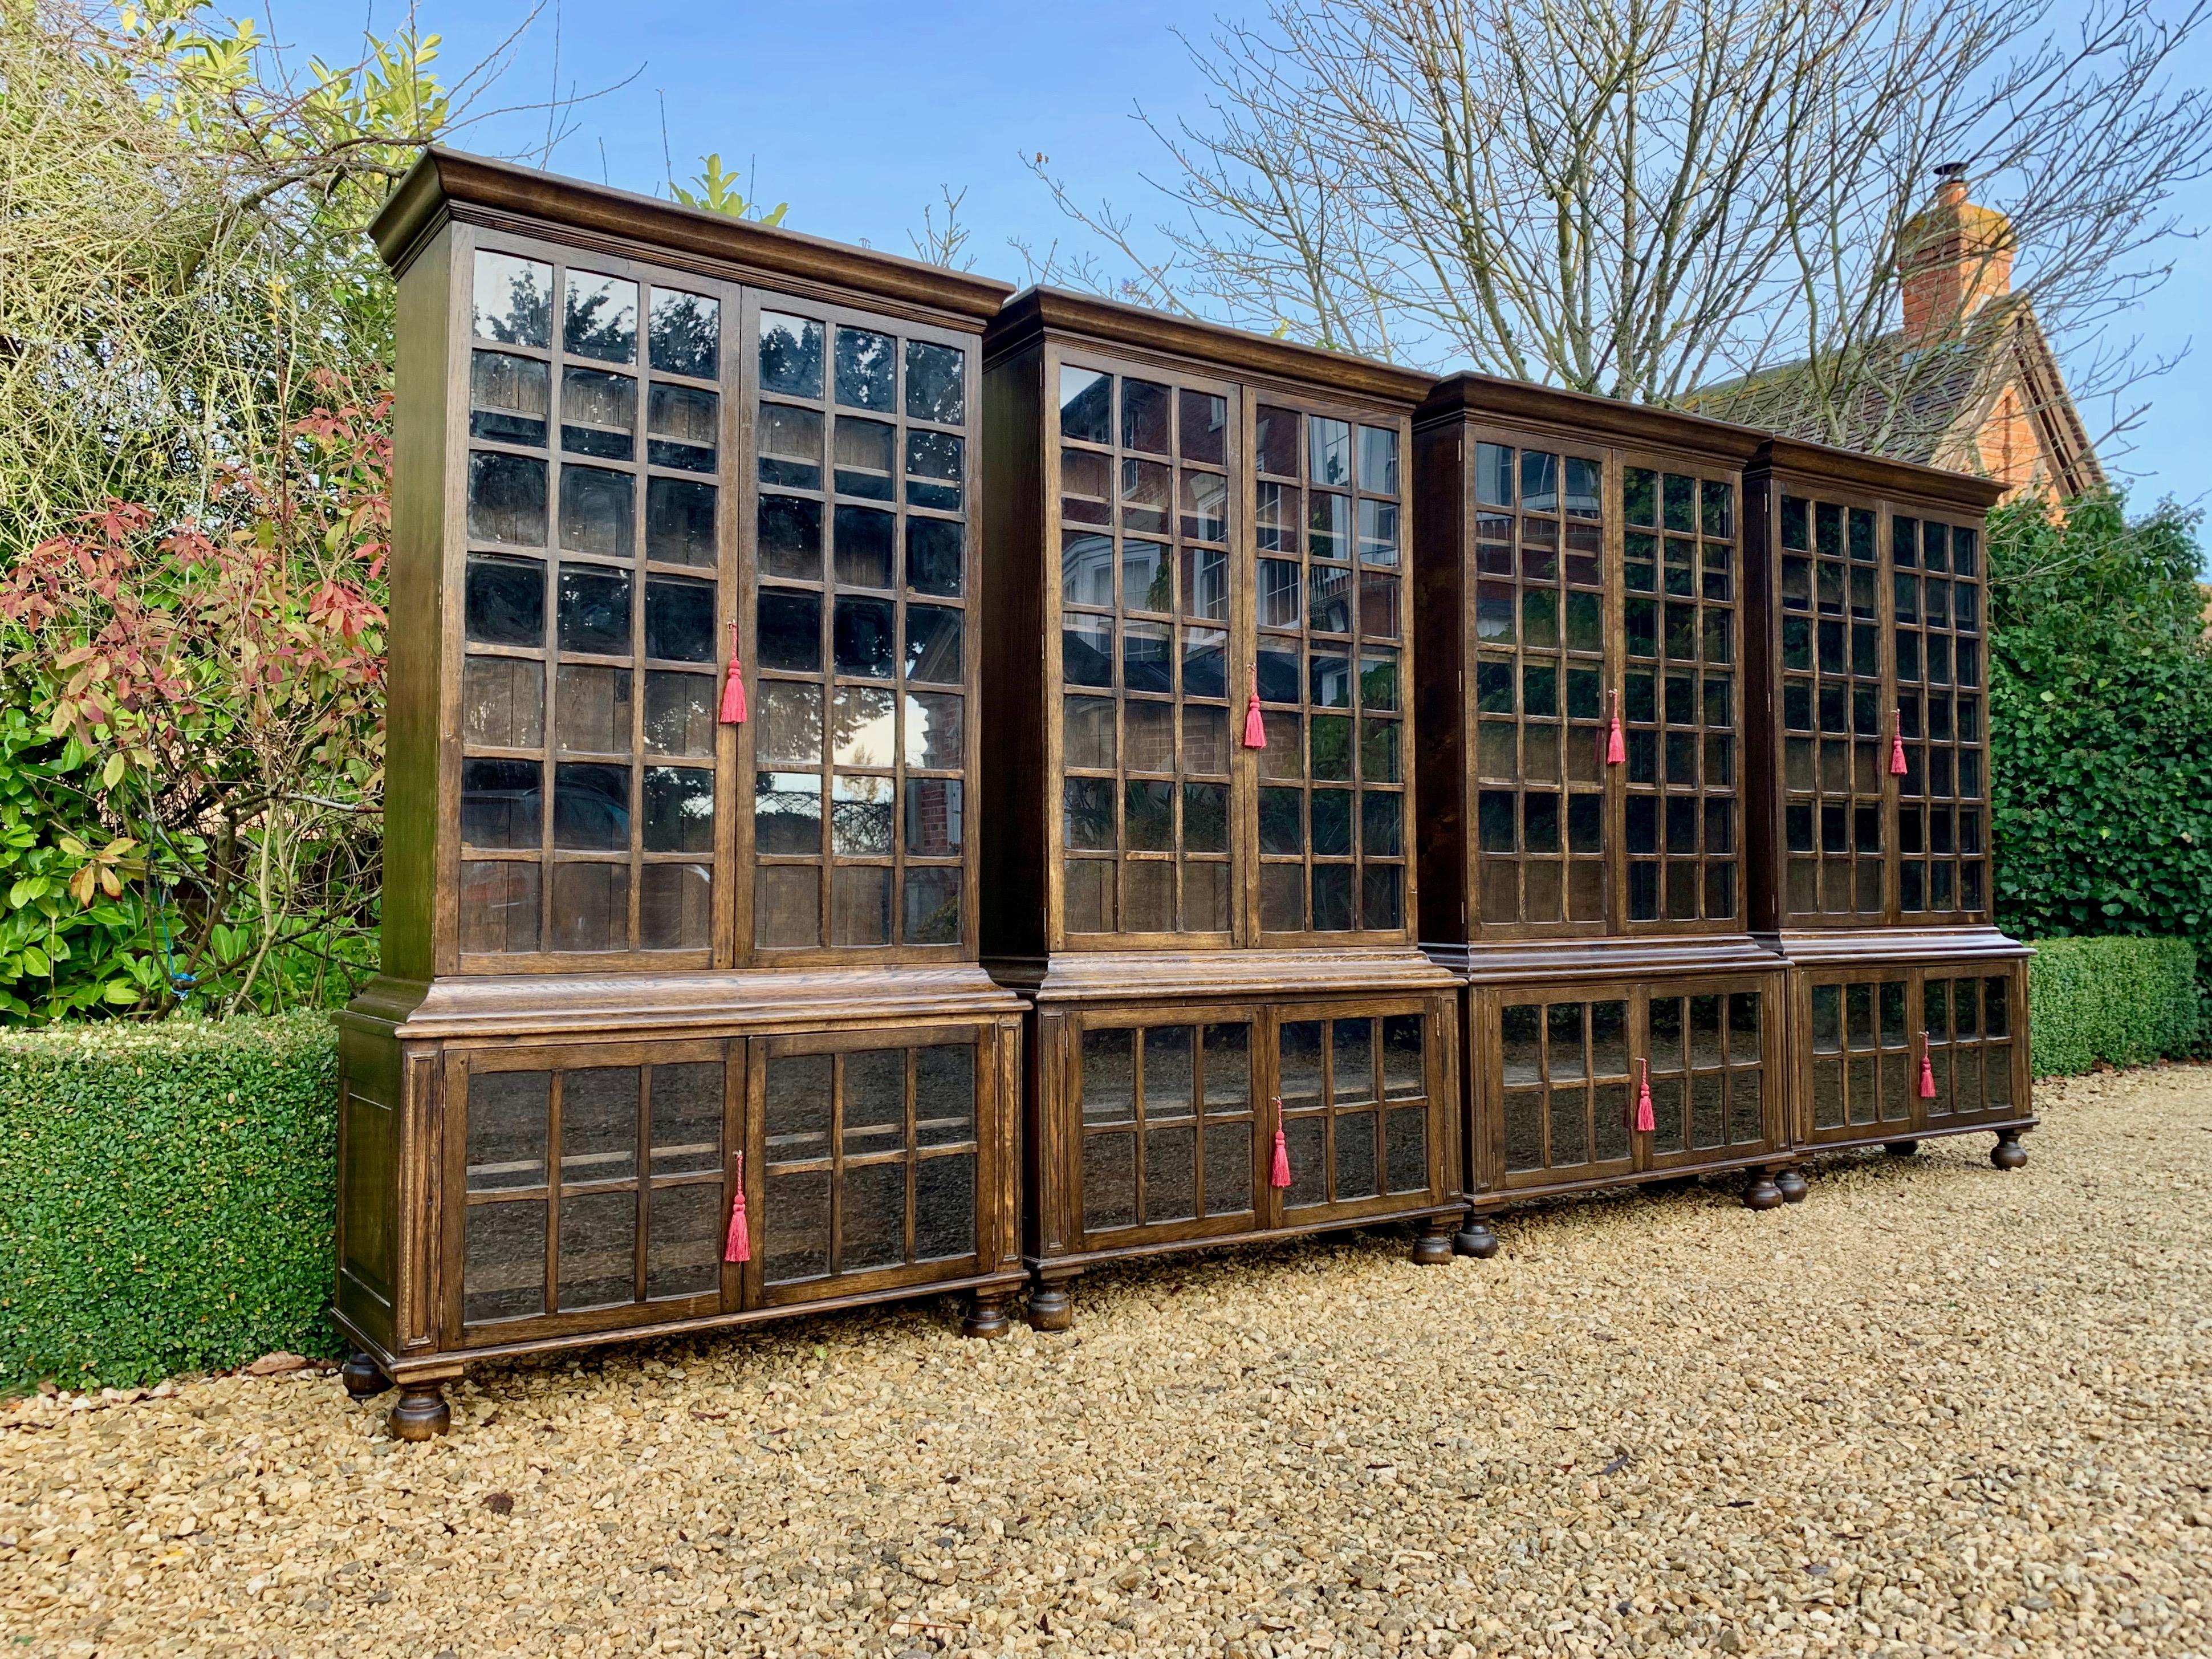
[[169, 1193], [2125, 1001]]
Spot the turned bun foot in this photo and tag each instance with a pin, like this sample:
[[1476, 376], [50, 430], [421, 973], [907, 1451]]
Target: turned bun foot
[[986, 1315], [2009, 1153], [1793, 1186], [1761, 1193], [422, 1413], [1433, 1247], [1901, 1148], [361, 1377], [1476, 1239], [1051, 1309]]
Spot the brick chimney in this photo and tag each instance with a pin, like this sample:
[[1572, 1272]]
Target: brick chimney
[[1955, 256]]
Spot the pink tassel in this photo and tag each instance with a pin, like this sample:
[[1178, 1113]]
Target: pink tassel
[[733, 694], [1616, 750], [740, 1245], [1255, 729], [1927, 1071], [1645, 1121], [1897, 750], [1280, 1176]]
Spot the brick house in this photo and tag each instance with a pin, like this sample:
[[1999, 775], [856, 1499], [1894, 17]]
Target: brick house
[[1969, 382]]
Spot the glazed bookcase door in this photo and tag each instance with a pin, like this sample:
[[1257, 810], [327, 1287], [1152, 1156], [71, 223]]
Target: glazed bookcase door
[[872, 1171], [1545, 670], [1332, 673], [1175, 1110], [1869, 1030], [590, 1187], [1143, 574], [1168, 1105], [861, 492], [1715, 1055], [1353, 1090], [1681, 697], [1937, 598], [1564, 1066], [1837, 712], [595, 594], [1561, 1066]]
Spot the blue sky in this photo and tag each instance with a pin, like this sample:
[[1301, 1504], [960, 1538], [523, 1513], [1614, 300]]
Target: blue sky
[[858, 111]]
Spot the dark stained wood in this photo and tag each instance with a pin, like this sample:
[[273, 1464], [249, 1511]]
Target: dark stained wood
[[442, 1025], [1015, 827], [1254, 973], [447, 184]]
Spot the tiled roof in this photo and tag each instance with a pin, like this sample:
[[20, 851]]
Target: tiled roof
[[1906, 402]]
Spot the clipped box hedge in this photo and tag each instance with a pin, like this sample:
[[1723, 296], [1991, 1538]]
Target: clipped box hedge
[[2125, 1001], [169, 1194]]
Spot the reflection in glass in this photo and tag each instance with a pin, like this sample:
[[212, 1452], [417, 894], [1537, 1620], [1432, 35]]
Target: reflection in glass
[[514, 300], [867, 369], [788, 813], [936, 389], [790, 355], [685, 333], [679, 521], [600, 318]]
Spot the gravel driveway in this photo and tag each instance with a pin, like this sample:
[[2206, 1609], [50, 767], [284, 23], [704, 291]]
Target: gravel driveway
[[1934, 1409]]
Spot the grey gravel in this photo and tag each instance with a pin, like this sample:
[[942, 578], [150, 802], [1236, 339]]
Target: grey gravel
[[1934, 1409]]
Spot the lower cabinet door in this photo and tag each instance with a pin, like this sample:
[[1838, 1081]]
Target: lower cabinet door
[[874, 1171], [1896, 1050], [1169, 1115], [1560, 1071], [586, 1186]]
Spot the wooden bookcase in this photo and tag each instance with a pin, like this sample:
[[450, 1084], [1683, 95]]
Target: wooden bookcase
[[1581, 569], [1190, 529], [642, 958], [1873, 881]]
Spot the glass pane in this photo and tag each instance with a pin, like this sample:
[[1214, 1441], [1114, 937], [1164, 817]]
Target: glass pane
[[600, 318], [598, 1249], [1144, 416], [508, 1117], [932, 907], [795, 1224], [932, 644], [867, 369], [684, 1240], [598, 1123], [1109, 1181], [507, 397], [935, 384], [504, 1261], [1170, 1173], [788, 815], [787, 900], [591, 907], [1086, 406], [1228, 1168], [685, 332], [507, 499], [945, 1095], [790, 355], [514, 300], [945, 1207], [934, 555]]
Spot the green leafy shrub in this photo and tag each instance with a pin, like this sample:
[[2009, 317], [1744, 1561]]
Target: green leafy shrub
[[171, 1192], [2100, 723], [2125, 1001]]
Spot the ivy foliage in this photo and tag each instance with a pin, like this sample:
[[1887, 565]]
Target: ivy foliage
[[172, 1189], [2100, 723]]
